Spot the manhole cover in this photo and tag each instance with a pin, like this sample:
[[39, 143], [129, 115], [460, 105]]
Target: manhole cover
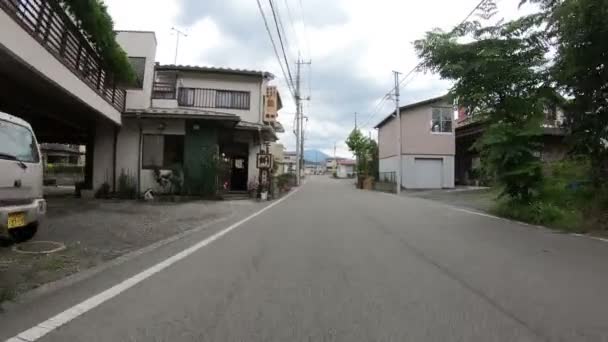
[[39, 247]]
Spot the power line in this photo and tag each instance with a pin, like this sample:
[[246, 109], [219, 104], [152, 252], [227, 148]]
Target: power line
[[291, 22], [276, 22], [414, 69], [282, 27], [305, 30], [276, 52]]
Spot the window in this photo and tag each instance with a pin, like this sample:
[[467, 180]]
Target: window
[[270, 103], [442, 120], [139, 66], [162, 151], [231, 99], [17, 142]]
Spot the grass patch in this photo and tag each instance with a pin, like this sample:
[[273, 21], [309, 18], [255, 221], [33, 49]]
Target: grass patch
[[541, 213], [566, 201], [7, 294]]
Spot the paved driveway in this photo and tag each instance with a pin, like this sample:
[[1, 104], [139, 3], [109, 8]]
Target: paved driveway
[[332, 263]]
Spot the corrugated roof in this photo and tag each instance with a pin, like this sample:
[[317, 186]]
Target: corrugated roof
[[216, 70], [410, 106]]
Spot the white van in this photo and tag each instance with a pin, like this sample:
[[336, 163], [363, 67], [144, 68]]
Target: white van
[[21, 204]]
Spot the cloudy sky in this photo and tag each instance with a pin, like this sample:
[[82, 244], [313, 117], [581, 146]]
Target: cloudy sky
[[353, 44]]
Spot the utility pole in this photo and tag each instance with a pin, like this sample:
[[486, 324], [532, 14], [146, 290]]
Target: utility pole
[[398, 117], [299, 123], [355, 120], [298, 130], [335, 159], [178, 33]]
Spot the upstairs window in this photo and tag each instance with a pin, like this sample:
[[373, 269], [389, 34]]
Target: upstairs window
[[231, 99], [442, 120], [139, 66]]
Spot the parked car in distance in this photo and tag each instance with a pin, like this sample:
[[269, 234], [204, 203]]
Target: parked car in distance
[[22, 206]]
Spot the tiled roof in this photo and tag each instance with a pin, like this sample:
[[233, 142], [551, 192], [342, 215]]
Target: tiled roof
[[182, 113], [227, 71]]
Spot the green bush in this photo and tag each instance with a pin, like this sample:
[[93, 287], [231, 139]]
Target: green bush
[[564, 198], [103, 191], [59, 168], [286, 180], [96, 23], [127, 186]]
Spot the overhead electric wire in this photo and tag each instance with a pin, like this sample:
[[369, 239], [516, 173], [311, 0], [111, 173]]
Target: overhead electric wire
[[414, 69], [289, 82], [305, 29], [291, 23], [274, 15]]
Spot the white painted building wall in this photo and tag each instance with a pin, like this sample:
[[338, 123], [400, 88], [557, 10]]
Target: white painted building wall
[[254, 85], [16, 40], [345, 170], [140, 44], [103, 155], [408, 174]]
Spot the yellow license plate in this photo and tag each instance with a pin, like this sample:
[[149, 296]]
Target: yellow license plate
[[16, 220]]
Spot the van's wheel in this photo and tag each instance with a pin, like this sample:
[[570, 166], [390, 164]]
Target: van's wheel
[[24, 233]]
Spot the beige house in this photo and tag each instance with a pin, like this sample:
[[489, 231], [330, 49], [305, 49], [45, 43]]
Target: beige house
[[182, 118], [427, 144]]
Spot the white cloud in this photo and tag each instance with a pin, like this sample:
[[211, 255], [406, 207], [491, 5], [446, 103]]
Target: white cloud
[[354, 46]]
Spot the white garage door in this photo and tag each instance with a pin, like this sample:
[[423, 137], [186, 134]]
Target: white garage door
[[429, 173]]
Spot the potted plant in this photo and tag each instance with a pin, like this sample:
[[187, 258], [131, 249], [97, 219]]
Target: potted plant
[[252, 189], [264, 192]]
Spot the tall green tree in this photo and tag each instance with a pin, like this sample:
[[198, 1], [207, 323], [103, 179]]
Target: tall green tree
[[579, 32], [362, 147], [499, 74]]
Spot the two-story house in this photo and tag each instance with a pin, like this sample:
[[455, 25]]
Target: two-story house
[[427, 144], [205, 123]]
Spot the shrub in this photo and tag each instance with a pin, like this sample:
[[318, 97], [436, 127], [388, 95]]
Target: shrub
[[59, 168], [103, 191], [127, 186], [286, 180]]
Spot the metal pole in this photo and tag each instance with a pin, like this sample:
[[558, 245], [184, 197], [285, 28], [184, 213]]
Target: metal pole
[[335, 160], [298, 124], [178, 33], [398, 117]]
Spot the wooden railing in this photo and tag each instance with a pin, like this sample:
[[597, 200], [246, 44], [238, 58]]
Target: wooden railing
[[48, 23], [163, 91]]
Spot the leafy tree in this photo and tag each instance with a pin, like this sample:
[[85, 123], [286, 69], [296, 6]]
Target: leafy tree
[[374, 161], [96, 24], [579, 32], [499, 73], [364, 149]]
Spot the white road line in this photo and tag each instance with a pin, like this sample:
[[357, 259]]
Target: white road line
[[590, 237], [66, 316]]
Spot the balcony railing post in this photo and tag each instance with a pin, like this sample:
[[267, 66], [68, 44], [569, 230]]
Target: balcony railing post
[[99, 77], [113, 89], [78, 56]]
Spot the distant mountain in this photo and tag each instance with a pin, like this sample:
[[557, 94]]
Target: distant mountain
[[315, 156]]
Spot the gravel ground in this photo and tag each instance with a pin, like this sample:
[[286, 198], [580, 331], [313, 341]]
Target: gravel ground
[[95, 231]]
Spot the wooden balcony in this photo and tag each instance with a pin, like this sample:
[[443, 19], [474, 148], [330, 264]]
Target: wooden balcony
[[48, 23]]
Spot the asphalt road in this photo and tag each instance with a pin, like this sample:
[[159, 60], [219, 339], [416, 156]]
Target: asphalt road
[[332, 263]]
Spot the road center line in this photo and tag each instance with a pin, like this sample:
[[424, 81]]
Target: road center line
[[66, 316]]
